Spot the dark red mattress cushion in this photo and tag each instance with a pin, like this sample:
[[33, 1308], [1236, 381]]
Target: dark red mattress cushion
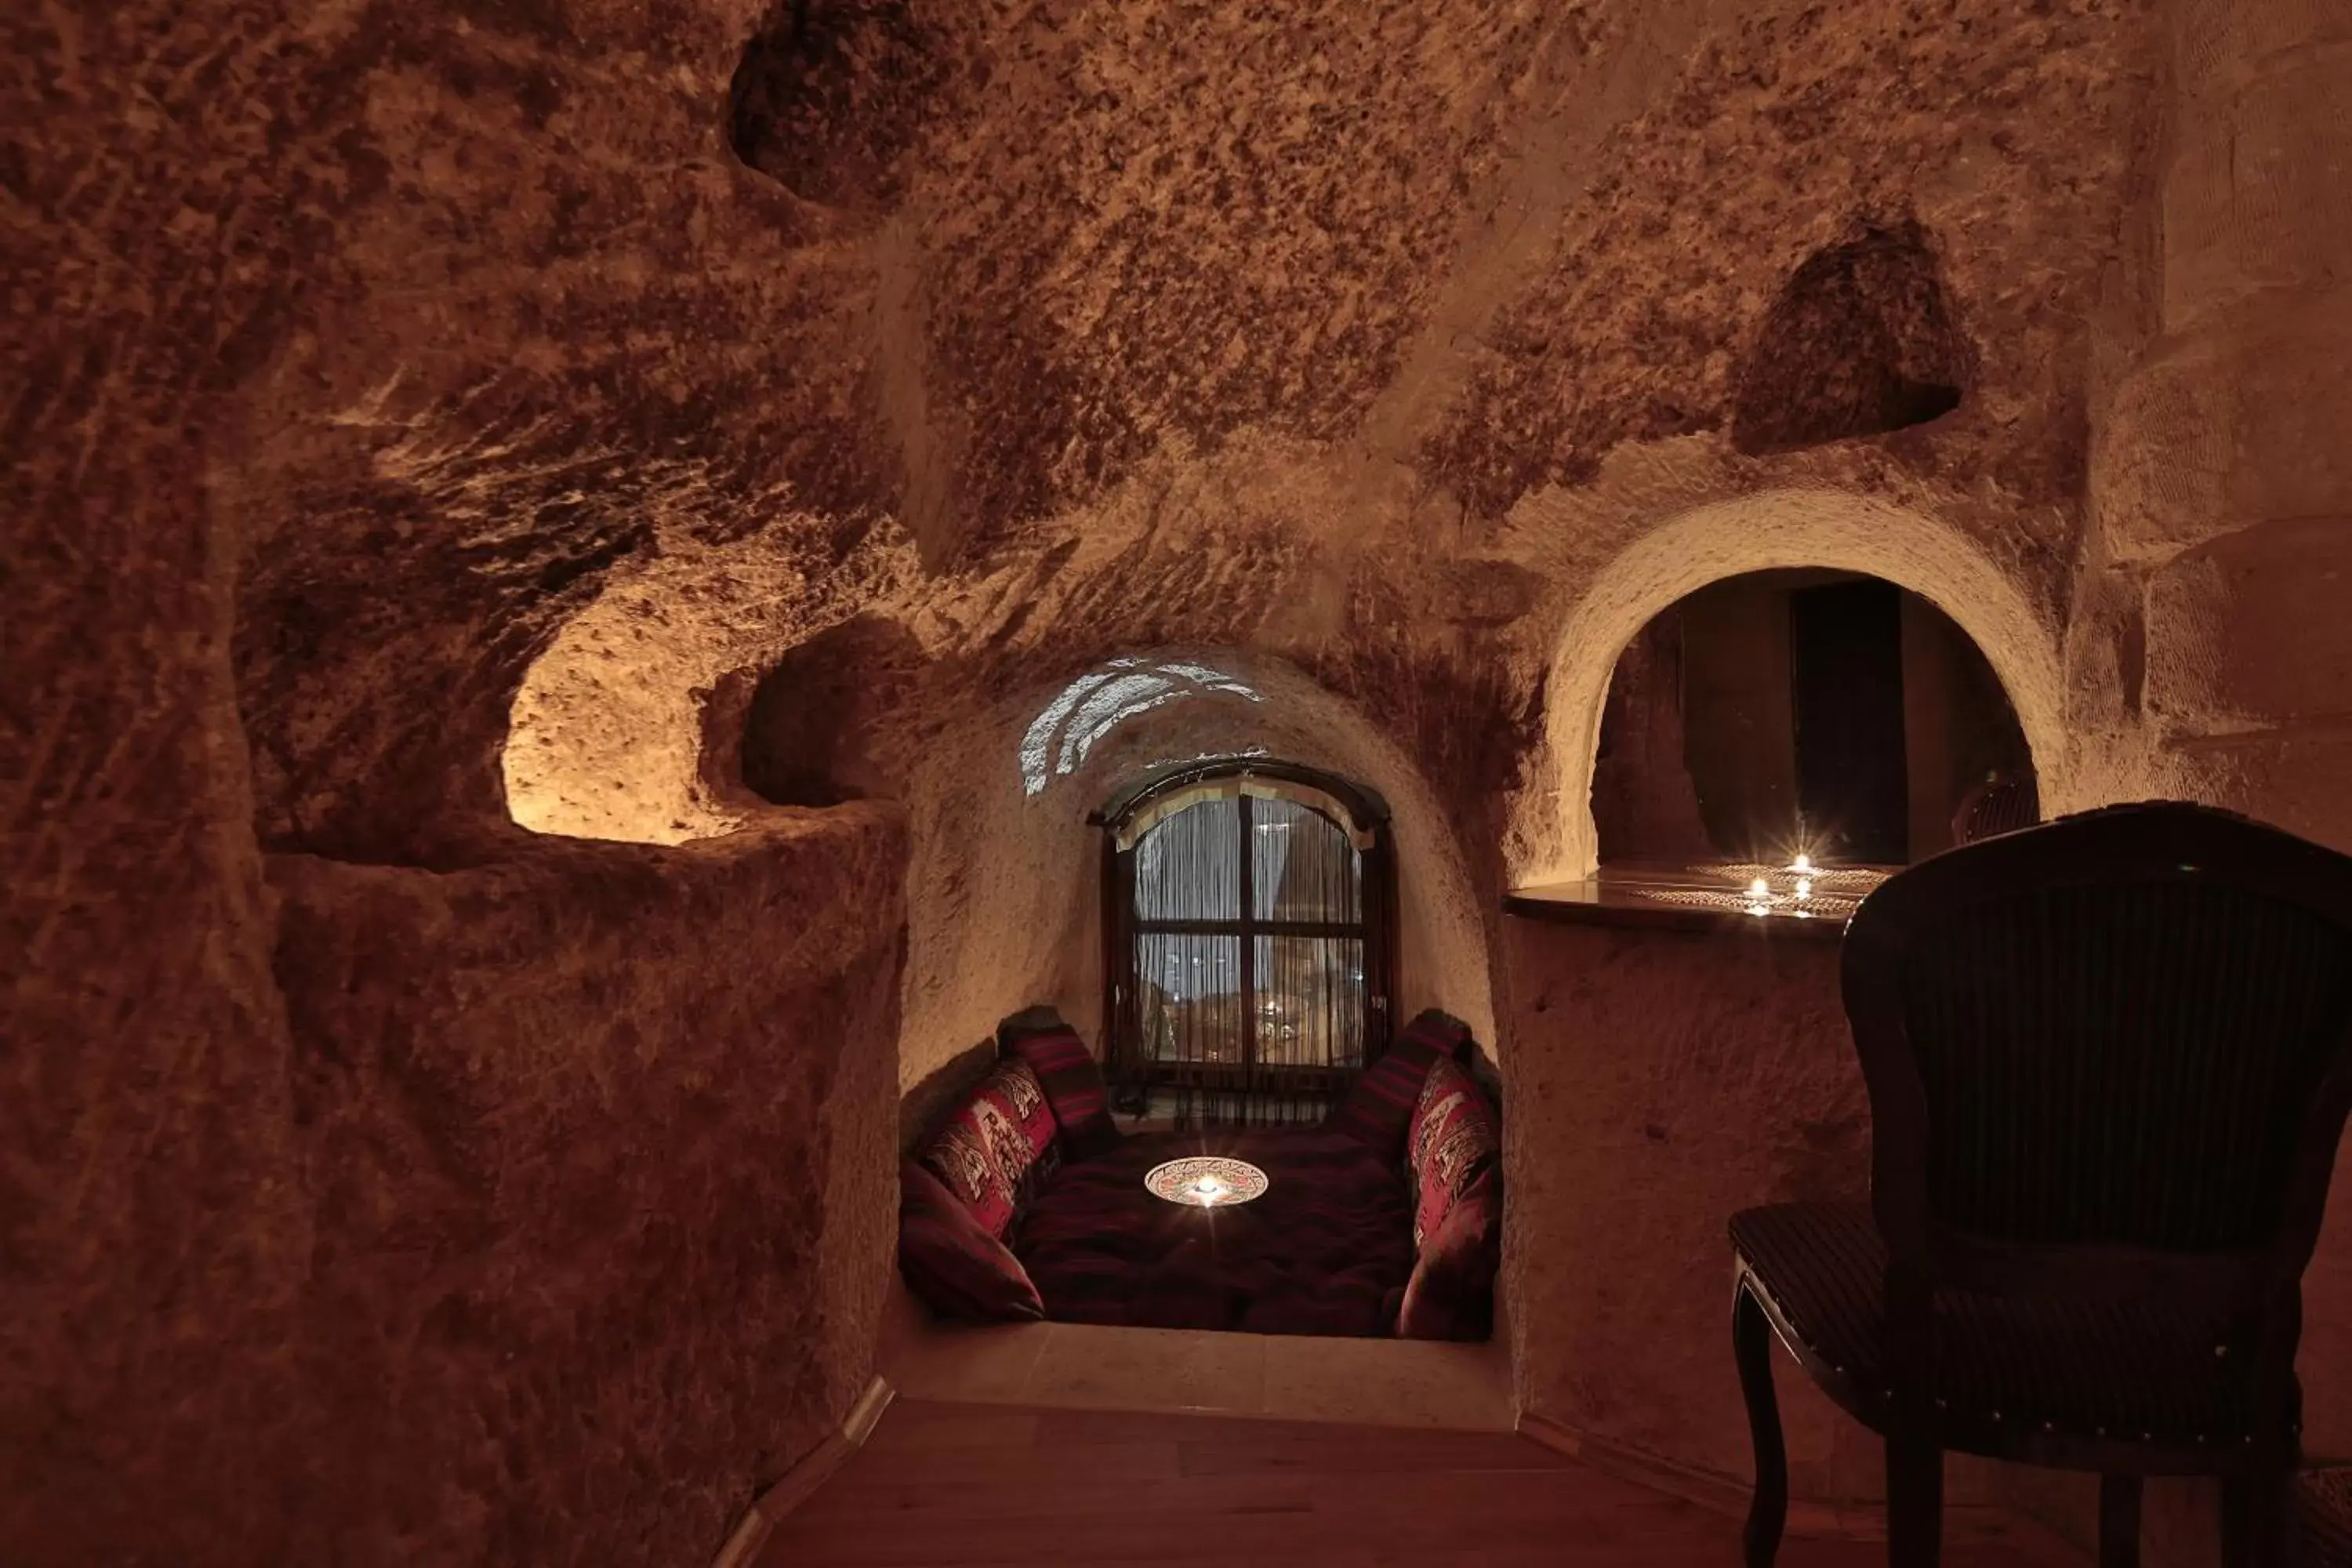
[[1453, 1142], [1321, 1252], [953, 1266], [1450, 1295], [996, 1146], [1377, 1109], [1073, 1083]]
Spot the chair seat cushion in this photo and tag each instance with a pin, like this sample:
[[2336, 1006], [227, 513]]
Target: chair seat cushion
[[2086, 1370]]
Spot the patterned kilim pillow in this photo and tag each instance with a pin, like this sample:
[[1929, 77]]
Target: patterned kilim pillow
[[1378, 1108], [995, 1146], [1015, 1089], [1073, 1083], [1453, 1142]]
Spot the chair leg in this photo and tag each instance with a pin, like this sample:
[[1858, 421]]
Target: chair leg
[[2119, 1521], [1915, 1502], [2257, 1520], [1751, 1346]]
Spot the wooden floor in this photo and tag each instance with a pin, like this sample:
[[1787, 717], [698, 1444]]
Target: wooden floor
[[940, 1485]]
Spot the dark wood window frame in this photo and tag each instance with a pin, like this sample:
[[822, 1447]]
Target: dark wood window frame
[[1365, 819]]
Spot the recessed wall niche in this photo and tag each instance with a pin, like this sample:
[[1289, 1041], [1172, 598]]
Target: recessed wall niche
[[1860, 341], [804, 730], [830, 94], [1805, 711]]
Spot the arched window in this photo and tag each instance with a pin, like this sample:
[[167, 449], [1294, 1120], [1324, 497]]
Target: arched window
[[1248, 957]]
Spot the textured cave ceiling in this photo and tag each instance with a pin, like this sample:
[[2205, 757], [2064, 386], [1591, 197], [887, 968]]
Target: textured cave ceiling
[[549, 371], [1048, 334]]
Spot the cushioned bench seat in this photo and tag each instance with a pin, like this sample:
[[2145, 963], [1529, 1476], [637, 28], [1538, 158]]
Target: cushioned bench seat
[[1026, 1202], [1326, 1251]]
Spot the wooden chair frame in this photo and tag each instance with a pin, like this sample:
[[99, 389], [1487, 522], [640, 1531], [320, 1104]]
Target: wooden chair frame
[[2154, 842]]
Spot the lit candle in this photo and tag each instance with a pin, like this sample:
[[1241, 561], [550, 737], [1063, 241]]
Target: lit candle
[[1804, 888], [1209, 1189], [1759, 888], [1802, 864]]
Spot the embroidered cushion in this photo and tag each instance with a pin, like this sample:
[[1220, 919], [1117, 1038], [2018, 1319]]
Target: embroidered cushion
[[953, 1266], [1379, 1107], [1451, 1141], [995, 1146], [1072, 1080], [1450, 1295]]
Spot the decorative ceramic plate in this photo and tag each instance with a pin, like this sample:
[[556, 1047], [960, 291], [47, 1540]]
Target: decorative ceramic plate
[[1206, 1181]]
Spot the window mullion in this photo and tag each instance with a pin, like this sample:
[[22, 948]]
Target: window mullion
[[1249, 943]]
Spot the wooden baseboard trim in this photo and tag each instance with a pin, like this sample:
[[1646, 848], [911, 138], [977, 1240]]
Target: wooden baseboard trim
[[799, 1483], [1729, 1495], [858, 1425]]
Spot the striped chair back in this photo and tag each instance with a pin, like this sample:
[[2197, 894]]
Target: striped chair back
[[2130, 1029]]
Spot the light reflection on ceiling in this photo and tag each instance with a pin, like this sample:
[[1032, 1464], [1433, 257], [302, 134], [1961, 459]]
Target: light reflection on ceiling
[[1099, 701]]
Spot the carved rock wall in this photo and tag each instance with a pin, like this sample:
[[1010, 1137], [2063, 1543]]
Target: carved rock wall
[[342, 358], [426, 421], [597, 1146]]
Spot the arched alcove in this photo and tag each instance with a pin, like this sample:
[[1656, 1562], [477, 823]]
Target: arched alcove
[[1003, 880], [807, 725], [1553, 836], [1665, 1081], [1817, 712], [626, 726]]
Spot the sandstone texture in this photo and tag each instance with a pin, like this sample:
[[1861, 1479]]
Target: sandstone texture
[[593, 1140], [539, 535]]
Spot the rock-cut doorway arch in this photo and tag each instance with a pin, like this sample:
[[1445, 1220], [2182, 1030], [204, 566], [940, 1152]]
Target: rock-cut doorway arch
[[1553, 836]]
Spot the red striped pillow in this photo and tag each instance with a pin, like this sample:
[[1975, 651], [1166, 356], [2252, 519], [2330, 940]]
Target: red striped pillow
[[1073, 1082], [1379, 1109], [953, 1266]]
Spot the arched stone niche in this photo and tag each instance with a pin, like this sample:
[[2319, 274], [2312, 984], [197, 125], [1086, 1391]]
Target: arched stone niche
[[1553, 837], [626, 725]]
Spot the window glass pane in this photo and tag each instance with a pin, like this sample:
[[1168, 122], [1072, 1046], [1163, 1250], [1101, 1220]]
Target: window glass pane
[[1188, 990], [1302, 867], [1189, 866], [1310, 1001]]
